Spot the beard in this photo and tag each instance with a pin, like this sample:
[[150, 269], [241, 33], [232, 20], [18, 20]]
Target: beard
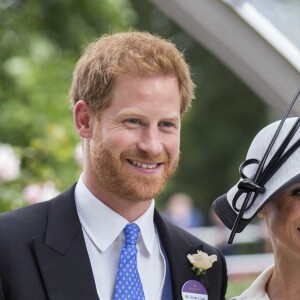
[[116, 175]]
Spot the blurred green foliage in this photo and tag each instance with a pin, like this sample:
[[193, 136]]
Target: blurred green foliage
[[40, 42]]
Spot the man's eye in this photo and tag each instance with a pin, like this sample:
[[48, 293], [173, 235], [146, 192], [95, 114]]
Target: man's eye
[[133, 121], [167, 124]]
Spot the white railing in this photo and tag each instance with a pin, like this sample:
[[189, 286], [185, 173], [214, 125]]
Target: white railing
[[238, 264], [247, 264]]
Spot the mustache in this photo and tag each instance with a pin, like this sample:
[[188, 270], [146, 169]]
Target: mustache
[[143, 156]]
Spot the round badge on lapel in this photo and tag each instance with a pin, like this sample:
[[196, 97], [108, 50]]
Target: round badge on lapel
[[194, 290]]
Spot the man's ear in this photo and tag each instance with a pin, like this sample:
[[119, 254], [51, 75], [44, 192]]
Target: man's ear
[[83, 119]]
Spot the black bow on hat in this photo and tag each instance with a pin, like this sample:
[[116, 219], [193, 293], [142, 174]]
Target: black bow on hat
[[266, 171]]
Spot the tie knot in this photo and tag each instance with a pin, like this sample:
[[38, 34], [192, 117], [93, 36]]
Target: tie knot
[[131, 232]]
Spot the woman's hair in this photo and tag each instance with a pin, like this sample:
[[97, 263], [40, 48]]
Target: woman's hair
[[133, 53]]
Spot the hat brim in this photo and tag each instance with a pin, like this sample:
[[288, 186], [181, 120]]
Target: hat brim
[[228, 215]]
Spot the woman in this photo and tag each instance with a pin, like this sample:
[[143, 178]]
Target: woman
[[270, 187]]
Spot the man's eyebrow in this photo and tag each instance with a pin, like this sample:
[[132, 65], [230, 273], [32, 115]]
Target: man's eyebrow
[[130, 112]]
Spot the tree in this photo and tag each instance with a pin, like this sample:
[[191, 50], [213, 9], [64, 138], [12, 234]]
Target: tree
[[40, 42]]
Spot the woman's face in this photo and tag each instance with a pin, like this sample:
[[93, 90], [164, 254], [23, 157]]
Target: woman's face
[[282, 217]]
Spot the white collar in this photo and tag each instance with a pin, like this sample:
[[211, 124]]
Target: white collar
[[257, 291], [104, 225]]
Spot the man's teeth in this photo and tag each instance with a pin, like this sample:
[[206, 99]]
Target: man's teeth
[[142, 165]]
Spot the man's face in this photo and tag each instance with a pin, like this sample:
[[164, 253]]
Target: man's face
[[135, 144]]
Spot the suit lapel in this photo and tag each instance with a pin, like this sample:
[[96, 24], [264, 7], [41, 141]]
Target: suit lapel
[[62, 256], [177, 249]]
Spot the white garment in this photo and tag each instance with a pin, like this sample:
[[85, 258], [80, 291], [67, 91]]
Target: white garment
[[257, 290], [104, 238]]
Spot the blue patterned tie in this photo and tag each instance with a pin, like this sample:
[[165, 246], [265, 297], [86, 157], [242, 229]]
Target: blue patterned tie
[[128, 283]]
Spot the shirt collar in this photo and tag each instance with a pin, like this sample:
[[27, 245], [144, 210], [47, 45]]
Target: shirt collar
[[257, 291], [103, 225]]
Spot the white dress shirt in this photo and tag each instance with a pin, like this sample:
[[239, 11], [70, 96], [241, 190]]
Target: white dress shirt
[[103, 233]]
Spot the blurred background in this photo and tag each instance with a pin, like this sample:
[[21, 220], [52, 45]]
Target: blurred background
[[244, 58]]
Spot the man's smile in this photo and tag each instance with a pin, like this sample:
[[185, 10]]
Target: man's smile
[[143, 164]]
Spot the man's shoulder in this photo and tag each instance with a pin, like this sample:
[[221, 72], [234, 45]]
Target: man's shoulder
[[23, 223], [37, 207], [24, 214], [20, 226], [30, 218]]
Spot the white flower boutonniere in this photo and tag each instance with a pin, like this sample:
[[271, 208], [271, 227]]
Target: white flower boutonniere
[[201, 261]]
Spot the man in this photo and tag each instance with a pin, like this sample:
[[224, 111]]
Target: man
[[129, 92]]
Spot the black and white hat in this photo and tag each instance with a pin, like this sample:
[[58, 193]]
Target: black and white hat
[[272, 164]]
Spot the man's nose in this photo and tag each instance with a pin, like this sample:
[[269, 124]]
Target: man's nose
[[150, 141]]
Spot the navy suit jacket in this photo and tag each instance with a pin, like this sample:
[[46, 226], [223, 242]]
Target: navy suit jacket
[[43, 255]]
